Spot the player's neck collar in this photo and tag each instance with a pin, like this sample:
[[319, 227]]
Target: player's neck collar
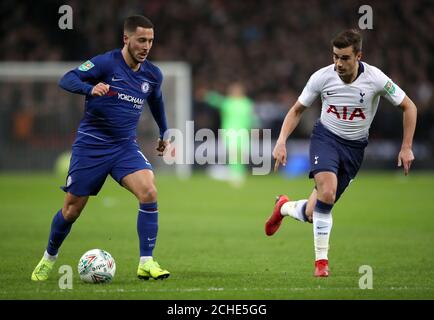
[[124, 59], [360, 70]]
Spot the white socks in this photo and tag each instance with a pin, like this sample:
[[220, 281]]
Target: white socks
[[322, 223], [49, 256], [144, 259], [294, 209], [322, 226]]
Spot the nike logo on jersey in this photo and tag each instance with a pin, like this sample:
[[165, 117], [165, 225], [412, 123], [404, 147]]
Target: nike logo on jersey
[[330, 93], [116, 79], [151, 239]]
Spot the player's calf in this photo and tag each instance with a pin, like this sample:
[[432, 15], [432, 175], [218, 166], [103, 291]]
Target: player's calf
[[296, 210]]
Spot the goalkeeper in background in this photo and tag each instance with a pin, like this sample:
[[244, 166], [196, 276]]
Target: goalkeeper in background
[[237, 114]]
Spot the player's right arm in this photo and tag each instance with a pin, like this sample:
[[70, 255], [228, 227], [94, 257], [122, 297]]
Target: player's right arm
[[85, 79], [307, 97], [289, 124], [100, 89]]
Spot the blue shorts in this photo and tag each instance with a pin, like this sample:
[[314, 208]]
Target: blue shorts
[[88, 169], [329, 152]]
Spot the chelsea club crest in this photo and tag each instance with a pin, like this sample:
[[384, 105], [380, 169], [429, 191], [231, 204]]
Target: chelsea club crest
[[145, 87]]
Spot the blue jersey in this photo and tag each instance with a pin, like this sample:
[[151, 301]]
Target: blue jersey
[[111, 120]]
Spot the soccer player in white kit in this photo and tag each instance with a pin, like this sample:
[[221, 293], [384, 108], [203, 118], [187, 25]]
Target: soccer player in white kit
[[350, 91]]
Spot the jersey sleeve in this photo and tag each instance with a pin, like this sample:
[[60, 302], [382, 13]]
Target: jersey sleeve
[[312, 90], [156, 105], [387, 88], [83, 78]]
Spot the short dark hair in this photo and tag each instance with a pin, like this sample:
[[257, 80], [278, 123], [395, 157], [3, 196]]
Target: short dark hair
[[346, 38], [132, 22]]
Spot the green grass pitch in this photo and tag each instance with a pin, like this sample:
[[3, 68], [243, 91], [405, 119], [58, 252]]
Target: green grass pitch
[[212, 239]]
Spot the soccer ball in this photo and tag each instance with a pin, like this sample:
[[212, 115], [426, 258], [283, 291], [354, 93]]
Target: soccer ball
[[96, 266]]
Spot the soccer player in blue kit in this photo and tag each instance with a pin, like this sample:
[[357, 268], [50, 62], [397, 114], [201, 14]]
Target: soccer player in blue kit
[[117, 84], [350, 91]]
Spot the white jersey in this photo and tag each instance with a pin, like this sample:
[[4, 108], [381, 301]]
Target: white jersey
[[349, 108]]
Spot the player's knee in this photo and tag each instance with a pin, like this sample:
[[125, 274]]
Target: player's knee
[[148, 194], [71, 212], [328, 196]]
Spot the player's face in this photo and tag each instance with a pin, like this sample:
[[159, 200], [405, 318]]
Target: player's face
[[345, 61], [139, 43]]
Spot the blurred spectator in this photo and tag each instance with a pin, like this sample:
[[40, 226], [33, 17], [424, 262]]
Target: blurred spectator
[[272, 47]]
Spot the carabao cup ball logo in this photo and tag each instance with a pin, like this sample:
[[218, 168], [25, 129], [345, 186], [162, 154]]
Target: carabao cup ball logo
[[145, 87], [96, 266]]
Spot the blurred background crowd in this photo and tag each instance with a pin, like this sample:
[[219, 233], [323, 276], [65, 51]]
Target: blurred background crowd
[[271, 47]]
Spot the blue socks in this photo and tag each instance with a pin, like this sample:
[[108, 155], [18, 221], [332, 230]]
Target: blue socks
[[322, 207], [303, 212], [147, 227], [59, 230]]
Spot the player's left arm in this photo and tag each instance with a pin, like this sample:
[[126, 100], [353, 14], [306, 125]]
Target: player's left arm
[[405, 156], [157, 109], [397, 97], [156, 104]]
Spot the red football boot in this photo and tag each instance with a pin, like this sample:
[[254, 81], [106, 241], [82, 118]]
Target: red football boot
[[274, 221], [321, 268]]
